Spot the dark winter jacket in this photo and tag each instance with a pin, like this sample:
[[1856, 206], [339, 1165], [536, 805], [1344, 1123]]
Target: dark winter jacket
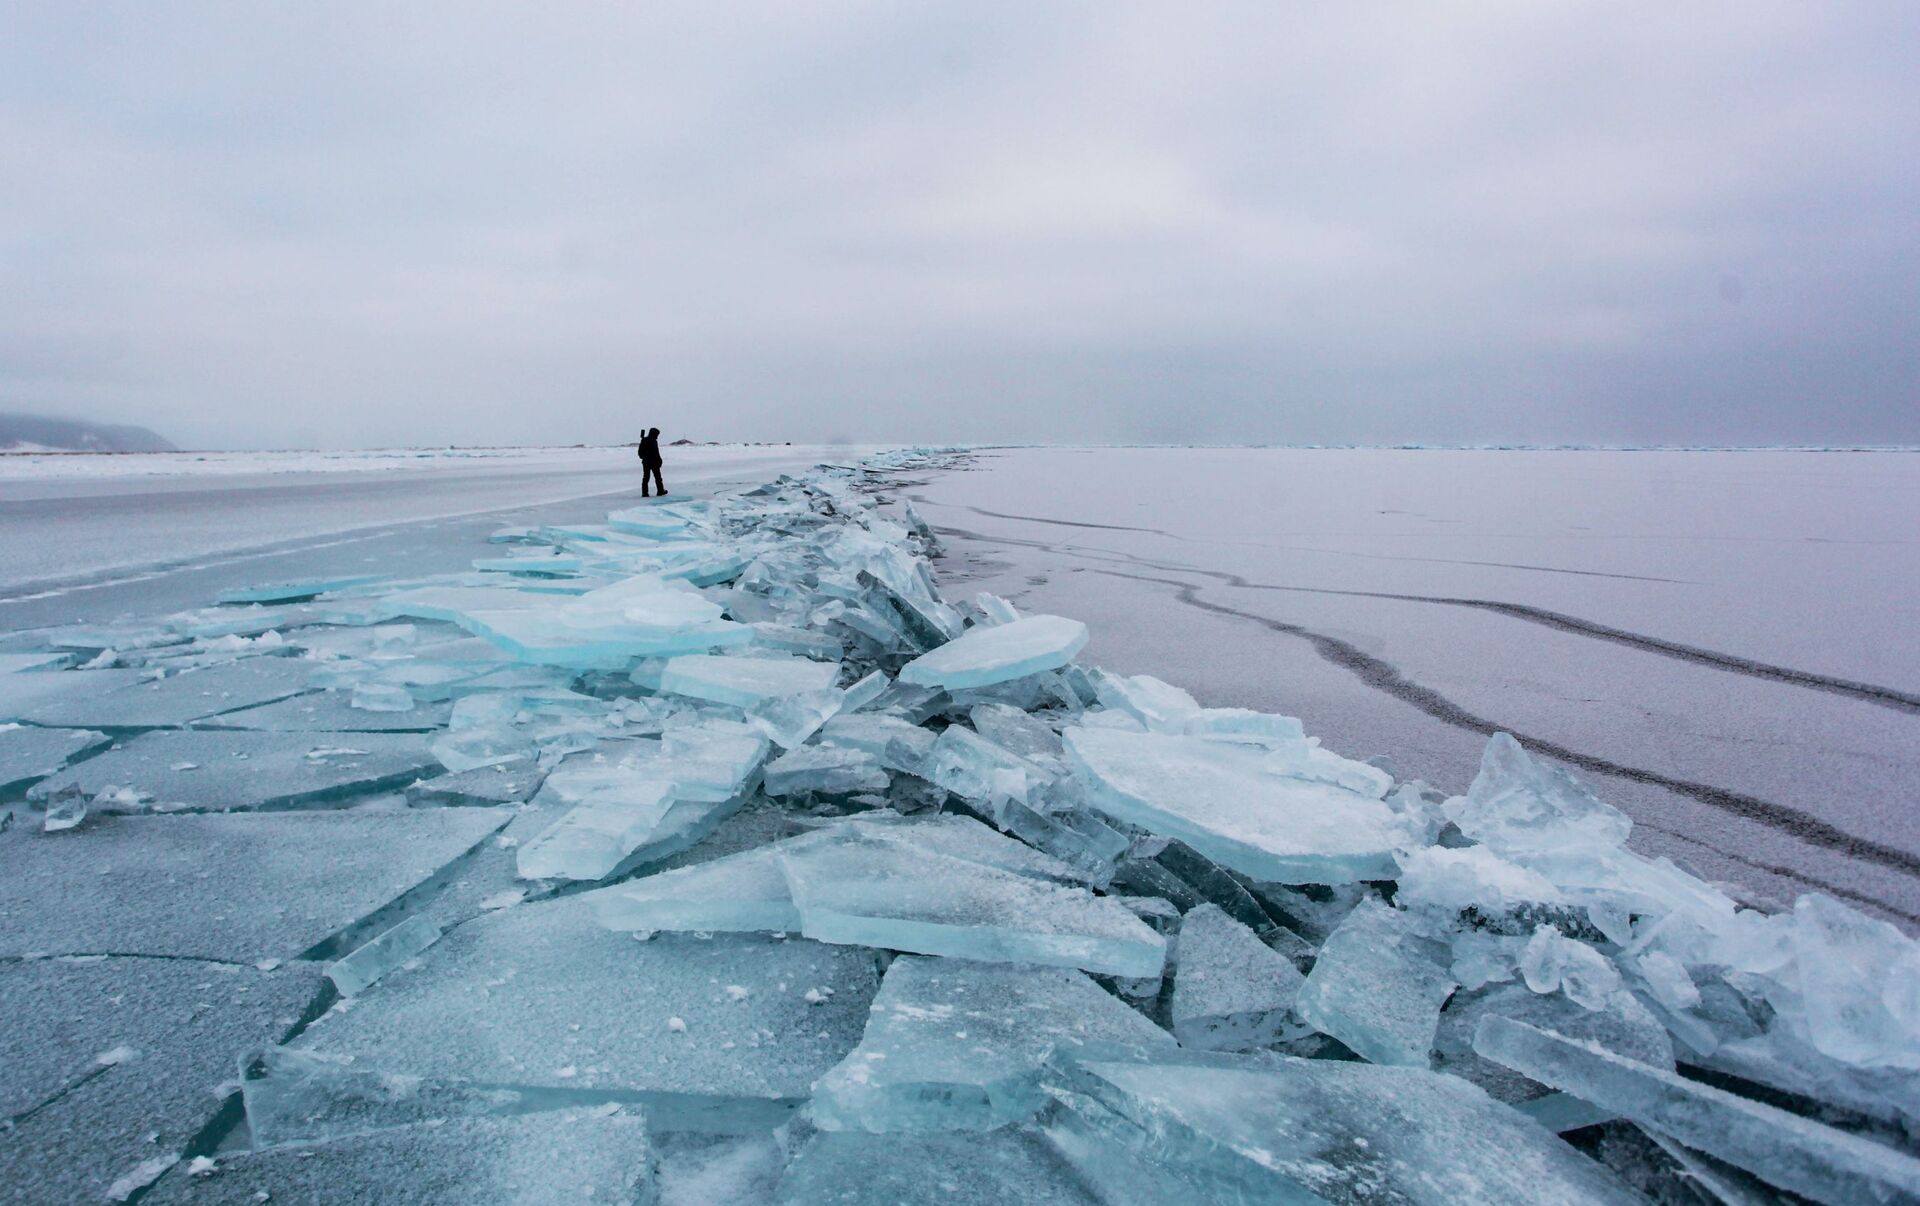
[[649, 450]]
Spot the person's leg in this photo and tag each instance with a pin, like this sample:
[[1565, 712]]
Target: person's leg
[[646, 480]]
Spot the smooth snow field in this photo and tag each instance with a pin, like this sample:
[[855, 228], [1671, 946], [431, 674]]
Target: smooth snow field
[[1721, 642]]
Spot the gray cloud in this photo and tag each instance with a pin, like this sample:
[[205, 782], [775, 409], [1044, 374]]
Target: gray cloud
[[486, 223]]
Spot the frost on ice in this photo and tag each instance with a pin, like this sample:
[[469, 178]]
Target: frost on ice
[[712, 844]]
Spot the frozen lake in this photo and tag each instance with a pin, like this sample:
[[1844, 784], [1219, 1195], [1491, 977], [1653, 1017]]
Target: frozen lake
[[1722, 642], [90, 537]]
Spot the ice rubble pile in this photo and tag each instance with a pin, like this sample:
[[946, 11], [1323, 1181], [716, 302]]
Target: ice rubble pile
[[1128, 948]]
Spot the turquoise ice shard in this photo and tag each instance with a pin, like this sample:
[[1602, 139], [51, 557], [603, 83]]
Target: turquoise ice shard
[[744, 682], [1624, 1026], [1159, 707], [1522, 807], [740, 892], [896, 743], [1231, 992], [359, 970], [712, 760], [857, 887], [1859, 980], [1269, 1128], [1015, 731], [1377, 987], [1795, 1153], [983, 656], [297, 1097], [1552, 962], [1225, 801], [595, 837], [952, 1044], [1452, 880], [789, 720], [973, 768], [825, 769]]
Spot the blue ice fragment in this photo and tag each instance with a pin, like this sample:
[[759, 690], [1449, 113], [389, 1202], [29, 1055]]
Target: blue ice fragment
[[983, 656]]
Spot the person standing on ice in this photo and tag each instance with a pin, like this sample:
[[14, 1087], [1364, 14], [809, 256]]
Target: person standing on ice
[[650, 462]]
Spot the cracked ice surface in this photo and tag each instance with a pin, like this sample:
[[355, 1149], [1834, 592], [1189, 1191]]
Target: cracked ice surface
[[711, 837]]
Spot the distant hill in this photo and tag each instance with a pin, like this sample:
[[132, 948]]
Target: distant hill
[[24, 433]]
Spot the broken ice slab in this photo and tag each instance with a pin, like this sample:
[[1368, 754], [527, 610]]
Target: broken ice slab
[[790, 720], [742, 892], [980, 657], [743, 682], [854, 887], [24, 663], [1377, 987], [331, 712], [474, 747], [1225, 801], [825, 770], [712, 760], [1231, 992], [1624, 1026], [924, 621], [961, 837], [952, 1044], [1795, 1153], [223, 771], [1160, 707], [484, 786], [970, 766], [28, 755], [64, 811], [294, 592], [787, 639], [898, 745], [446, 603], [648, 521], [1075, 837], [551, 563], [297, 1097], [596, 836], [1243, 724], [1522, 807], [355, 973], [1008, 1167], [381, 697], [1270, 1128], [1452, 880], [597, 1155], [179, 698], [749, 890], [1015, 731], [726, 1033], [237, 888], [543, 639]]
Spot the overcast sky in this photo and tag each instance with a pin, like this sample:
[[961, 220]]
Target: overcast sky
[[367, 223]]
